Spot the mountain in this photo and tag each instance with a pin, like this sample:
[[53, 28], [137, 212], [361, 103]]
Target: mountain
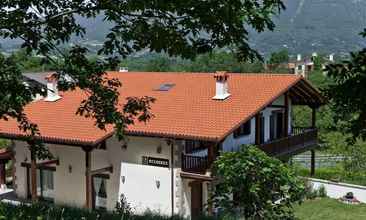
[[316, 25], [324, 26]]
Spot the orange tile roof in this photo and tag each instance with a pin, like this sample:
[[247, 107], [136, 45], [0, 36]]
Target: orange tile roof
[[187, 110]]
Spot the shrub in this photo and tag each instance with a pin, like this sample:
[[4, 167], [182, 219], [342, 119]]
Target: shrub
[[262, 187], [322, 192]]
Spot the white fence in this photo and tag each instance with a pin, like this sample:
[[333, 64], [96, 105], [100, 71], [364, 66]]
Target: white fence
[[337, 190]]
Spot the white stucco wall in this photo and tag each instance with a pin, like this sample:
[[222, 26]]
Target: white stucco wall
[[338, 190], [70, 187]]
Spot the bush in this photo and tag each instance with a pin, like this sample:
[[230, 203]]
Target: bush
[[41, 211], [322, 192]]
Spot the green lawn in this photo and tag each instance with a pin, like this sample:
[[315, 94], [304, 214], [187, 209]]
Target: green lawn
[[329, 209]]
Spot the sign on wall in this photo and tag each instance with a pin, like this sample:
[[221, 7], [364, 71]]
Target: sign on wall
[[153, 161]]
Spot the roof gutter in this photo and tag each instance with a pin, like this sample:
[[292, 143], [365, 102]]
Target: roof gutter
[[49, 140]]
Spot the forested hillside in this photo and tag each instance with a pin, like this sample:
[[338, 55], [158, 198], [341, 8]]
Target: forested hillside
[[316, 25], [304, 27]]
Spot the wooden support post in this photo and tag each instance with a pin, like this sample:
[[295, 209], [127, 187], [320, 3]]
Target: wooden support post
[[313, 118], [286, 116], [2, 172], [210, 155], [257, 129], [312, 168], [33, 175], [88, 179]]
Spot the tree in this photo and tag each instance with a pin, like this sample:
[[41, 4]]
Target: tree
[[252, 185], [181, 28], [279, 57], [348, 91]]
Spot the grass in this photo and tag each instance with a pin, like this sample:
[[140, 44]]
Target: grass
[[329, 209], [336, 173]]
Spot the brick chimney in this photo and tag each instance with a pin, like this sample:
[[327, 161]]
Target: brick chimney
[[52, 90], [222, 88]]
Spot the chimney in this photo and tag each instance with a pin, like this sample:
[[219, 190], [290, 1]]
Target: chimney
[[123, 69], [52, 91], [221, 85], [298, 57], [331, 57]]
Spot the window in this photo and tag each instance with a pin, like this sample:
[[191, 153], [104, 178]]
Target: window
[[100, 192], [165, 87], [243, 130], [192, 146]]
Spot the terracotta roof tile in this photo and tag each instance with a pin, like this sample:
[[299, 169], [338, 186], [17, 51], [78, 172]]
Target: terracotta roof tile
[[187, 110]]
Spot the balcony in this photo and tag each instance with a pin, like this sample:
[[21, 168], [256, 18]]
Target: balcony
[[301, 139], [194, 164]]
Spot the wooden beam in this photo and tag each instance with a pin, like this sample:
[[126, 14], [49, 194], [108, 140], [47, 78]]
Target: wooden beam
[[305, 92], [48, 162], [33, 175], [210, 155], [312, 168], [313, 118], [43, 167], [108, 169], [2, 174], [258, 129], [88, 179], [276, 106], [195, 176], [286, 116]]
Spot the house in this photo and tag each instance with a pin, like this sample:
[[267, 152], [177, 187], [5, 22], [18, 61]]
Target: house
[[165, 165]]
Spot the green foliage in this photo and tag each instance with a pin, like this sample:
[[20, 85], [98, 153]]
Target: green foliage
[[311, 193], [329, 209], [4, 143], [31, 63], [43, 211], [279, 57], [123, 208], [209, 62], [336, 174], [347, 93], [356, 157], [322, 192], [253, 185]]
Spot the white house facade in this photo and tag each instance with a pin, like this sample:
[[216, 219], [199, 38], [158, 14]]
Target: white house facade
[[164, 166]]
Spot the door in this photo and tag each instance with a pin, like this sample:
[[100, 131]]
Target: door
[[196, 199]]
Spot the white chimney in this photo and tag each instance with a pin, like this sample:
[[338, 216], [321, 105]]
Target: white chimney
[[52, 90], [222, 89], [123, 69], [298, 57], [331, 57]]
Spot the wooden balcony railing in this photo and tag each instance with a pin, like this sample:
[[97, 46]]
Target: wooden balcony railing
[[194, 164], [300, 140]]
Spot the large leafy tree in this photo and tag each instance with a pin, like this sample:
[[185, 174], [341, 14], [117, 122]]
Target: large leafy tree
[[252, 185], [178, 28], [348, 91]]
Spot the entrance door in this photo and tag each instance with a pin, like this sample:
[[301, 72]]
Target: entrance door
[[196, 199]]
